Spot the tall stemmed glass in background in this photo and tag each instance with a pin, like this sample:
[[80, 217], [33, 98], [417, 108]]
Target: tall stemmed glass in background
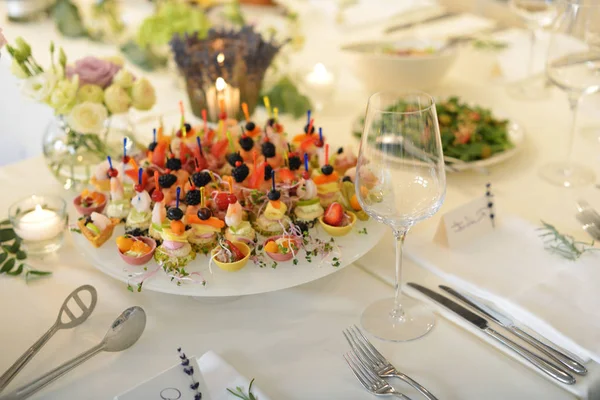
[[574, 66], [537, 15], [400, 180]]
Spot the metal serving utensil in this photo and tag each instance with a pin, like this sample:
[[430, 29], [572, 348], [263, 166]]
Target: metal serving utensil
[[66, 320], [122, 334]]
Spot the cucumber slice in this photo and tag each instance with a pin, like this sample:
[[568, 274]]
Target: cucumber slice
[[93, 228], [310, 202]]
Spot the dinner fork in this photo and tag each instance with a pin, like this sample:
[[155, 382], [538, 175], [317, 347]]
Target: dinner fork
[[373, 359], [370, 380]]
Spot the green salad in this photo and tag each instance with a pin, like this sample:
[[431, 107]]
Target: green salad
[[468, 133]]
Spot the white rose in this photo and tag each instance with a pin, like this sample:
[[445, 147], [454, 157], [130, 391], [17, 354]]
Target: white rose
[[88, 117], [40, 87]]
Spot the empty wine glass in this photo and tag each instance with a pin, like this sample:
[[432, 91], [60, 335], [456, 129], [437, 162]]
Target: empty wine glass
[[574, 66], [537, 15], [400, 180]]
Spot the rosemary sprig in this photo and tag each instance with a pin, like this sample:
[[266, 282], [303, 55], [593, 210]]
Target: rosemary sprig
[[563, 245], [239, 392]]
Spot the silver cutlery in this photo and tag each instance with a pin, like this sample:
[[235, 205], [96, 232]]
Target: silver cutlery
[[122, 334], [408, 25], [589, 218], [553, 352], [370, 380], [375, 361], [66, 320], [544, 365]]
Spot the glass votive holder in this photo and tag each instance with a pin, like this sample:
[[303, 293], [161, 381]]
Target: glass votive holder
[[318, 83], [40, 223]]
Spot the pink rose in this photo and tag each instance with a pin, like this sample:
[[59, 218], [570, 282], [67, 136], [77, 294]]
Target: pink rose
[[92, 70], [2, 39]]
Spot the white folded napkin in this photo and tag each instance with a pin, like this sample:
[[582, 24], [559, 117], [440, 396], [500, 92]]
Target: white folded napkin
[[553, 296], [214, 374], [219, 376], [367, 12], [458, 25]]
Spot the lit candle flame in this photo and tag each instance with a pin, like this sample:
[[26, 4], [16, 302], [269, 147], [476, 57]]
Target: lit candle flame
[[220, 84], [220, 58]]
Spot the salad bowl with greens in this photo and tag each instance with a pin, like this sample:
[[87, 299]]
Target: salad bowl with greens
[[472, 136]]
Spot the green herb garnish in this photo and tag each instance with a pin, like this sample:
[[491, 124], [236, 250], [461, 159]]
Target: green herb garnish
[[239, 392], [563, 245]]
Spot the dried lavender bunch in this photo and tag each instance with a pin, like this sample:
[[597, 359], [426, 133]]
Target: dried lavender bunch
[[241, 57], [189, 370]]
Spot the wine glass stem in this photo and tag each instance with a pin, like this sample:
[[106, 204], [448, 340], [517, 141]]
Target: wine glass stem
[[399, 234], [533, 32], [574, 106]]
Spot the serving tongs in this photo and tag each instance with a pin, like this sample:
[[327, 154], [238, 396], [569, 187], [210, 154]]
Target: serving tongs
[[66, 319]]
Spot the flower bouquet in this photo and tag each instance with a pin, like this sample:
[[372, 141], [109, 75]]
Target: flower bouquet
[[84, 96]]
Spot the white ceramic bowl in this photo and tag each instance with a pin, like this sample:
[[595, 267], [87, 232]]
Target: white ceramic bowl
[[381, 71]]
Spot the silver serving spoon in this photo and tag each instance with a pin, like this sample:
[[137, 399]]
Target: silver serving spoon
[[66, 320], [123, 333]]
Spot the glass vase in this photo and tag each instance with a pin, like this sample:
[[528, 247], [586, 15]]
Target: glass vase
[[72, 156]]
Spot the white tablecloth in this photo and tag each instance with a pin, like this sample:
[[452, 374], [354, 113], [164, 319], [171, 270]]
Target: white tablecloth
[[290, 340]]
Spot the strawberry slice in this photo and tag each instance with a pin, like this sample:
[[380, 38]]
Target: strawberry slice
[[334, 214], [237, 253], [222, 201]]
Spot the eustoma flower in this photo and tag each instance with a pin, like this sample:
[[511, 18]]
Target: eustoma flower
[[94, 71], [39, 87], [63, 97]]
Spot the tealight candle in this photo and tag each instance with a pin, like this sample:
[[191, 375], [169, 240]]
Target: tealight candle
[[319, 84], [39, 221], [222, 98]]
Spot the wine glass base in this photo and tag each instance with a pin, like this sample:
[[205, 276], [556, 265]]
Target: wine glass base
[[528, 90], [417, 320], [567, 175]]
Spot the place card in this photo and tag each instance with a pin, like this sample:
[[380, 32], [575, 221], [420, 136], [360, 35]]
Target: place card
[[172, 384], [467, 222]]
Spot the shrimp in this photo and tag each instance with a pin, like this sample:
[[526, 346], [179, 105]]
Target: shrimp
[[116, 189], [234, 214]]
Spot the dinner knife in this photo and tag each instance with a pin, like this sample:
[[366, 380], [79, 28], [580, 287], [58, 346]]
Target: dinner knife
[[400, 27], [544, 365], [507, 323]]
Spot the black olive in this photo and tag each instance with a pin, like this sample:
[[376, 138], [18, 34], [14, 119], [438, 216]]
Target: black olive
[[174, 214], [204, 213], [274, 195], [327, 169]]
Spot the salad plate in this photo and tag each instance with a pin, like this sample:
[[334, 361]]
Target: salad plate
[[250, 280], [473, 137]]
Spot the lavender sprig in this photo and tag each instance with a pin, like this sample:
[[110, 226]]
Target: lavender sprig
[[189, 371]]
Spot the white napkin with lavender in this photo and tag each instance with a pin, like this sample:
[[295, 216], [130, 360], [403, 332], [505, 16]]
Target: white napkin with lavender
[[510, 267], [212, 374]]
